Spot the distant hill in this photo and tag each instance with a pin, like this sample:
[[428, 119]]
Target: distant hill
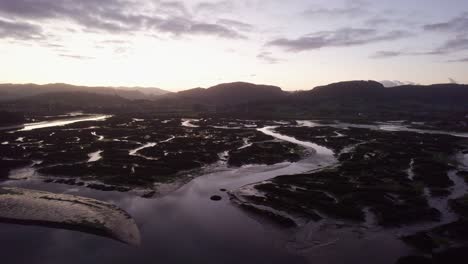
[[8, 118], [351, 88], [230, 94], [372, 99], [18, 91], [61, 102], [74, 99], [437, 93]]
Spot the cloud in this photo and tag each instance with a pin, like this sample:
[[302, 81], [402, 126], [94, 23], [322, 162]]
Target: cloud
[[377, 21], [343, 37], [268, 57], [394, 83], [181, 26], [350, 10], [214, 29], [78, 57], [459, 60], [19, 30], [387, 54], [453, 45], [235, 24], [173, 7], [118, 16], [459, 43], [215, 7], [458, 24], [458, 28]]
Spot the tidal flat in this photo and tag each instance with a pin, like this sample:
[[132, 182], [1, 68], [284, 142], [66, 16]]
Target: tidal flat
[[296, 191]]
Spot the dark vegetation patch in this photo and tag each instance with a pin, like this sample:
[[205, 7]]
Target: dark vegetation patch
[[460, 206], [10, 118], [268, 153], [373, 174], [7, 165], [440, 238], [64, 152]]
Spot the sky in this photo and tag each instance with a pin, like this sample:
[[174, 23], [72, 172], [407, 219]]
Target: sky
[[178, 45]]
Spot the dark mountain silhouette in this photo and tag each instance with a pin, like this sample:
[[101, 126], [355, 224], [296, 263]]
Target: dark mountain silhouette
[[68, 101], [437, 93], [18, 91], [230, 94], [352, 88], [75, 99], [338, 100], [366, 99]]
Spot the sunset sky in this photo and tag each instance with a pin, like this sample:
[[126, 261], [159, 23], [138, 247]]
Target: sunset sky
[[176, 45]]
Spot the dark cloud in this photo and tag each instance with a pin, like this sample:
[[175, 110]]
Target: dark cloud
[[214, 29], [268, 57], [32, 9], [350, 10], [458, 24], [78, 57], [339, 38], [174, 25], [235, 24], [377, 21], [215, 7], [453, 45], [458, 30], [465, 59], [173, 7], [459, 43], [391, 54], [387, 54], [181, 26], [444, 50], [105, 15], [457, 40], [117, 16], [19, 30]]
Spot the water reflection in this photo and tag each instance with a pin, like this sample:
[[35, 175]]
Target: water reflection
[[183, 227], [63, 122]]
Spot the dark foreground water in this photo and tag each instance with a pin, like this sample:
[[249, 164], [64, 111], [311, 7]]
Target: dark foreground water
[[183, 227], [187, 227]]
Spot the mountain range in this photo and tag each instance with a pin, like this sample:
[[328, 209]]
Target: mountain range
[[10, 92], [342, 99]]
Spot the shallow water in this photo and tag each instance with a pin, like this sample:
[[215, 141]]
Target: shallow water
[[63, 122], [188, 123], [134, 152], [319, 149], [395, 127], [95, 156], [181, 227]]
